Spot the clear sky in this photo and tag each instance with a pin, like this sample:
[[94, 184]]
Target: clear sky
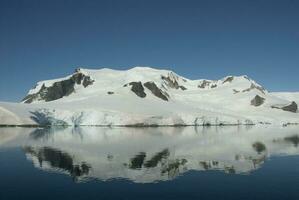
[[45, 39]]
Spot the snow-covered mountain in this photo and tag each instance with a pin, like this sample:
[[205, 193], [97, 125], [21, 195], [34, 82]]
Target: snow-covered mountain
[[143, 96]]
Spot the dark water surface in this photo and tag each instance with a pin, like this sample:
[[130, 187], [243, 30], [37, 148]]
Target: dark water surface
[[150, 163]]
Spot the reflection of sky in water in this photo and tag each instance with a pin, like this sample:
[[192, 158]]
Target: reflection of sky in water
[[176, 163]]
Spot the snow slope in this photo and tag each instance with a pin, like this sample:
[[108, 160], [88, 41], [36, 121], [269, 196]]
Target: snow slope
[[291, 96], [143, 96]]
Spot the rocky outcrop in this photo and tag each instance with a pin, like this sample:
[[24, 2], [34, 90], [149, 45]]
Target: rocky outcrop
[[156, 91], [235, 91], [80, 78], [204, 84], [172, 81], [59, 89], [292, 107], [228, 79], [137, 88], [257, 100], [253, 86], [182, 87], [213, 86]]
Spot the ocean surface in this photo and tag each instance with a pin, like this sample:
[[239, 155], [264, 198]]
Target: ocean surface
[[214, 163]]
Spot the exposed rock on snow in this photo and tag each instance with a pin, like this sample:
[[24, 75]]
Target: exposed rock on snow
[[204, 84], [214, 85], [156, 91], [138, 89], [172, 81], [59, 89], [253, 86], [257, 100], [235, 91], [148, 97], [291, 107], [228, 79]]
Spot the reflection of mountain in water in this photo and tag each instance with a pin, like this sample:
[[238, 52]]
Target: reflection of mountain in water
[[48, 157], [157, 154], [169, 167], [292, 139]]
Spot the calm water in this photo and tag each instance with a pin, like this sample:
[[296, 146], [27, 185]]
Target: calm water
[[150, 163]]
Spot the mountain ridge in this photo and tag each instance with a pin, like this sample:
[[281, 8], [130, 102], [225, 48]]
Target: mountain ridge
[[144, 96], [170, 78]]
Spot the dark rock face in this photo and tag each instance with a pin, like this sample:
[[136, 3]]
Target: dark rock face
[[59, 89], [293, 107], [172, 82], [156, 91], [58, 159], [81, 78], [228, 79], [137, 88], [253, 86], [213, 86], [182, 87], [235, 91], [257, 100], [204, 84]]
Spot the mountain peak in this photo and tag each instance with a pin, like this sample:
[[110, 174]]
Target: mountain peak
[[147, 96], [91, 81]]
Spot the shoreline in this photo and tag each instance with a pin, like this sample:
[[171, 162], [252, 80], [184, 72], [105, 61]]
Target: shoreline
[[136, 125]]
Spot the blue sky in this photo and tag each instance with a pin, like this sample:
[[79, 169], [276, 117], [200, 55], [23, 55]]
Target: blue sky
[[197, 39]]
